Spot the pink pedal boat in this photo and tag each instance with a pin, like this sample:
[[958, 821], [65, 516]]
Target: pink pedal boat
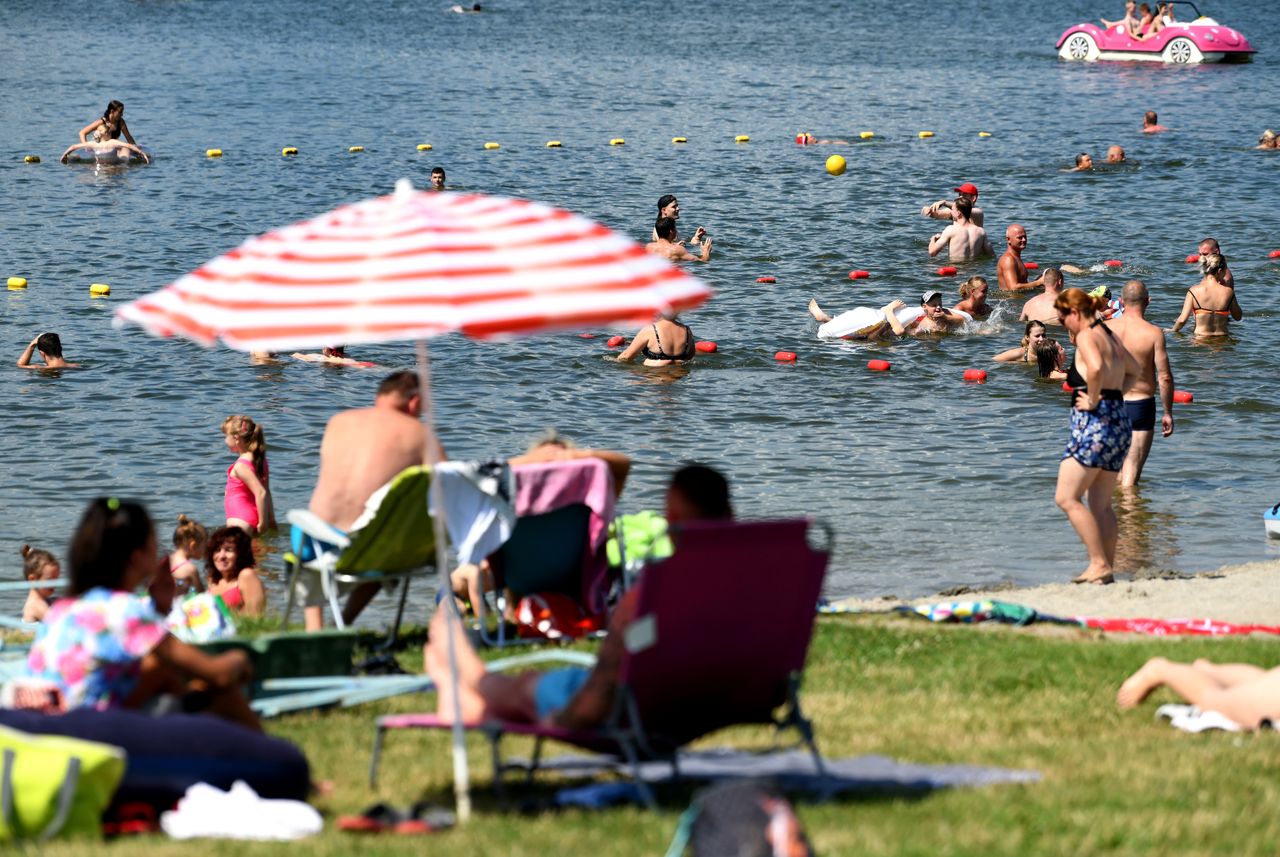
[[1197, 40]]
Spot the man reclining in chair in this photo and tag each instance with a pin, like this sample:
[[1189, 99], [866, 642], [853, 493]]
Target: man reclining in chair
[[574, 697], [363, 449]]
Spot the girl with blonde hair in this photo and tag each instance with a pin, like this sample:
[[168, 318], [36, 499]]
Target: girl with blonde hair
[[247, 496]]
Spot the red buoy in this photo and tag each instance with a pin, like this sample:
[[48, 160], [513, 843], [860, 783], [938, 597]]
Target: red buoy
[[859, 275], [1032, 266], [1113, 263], [785, 357], [975, 375], [1066, 388], [615, 341], [947, 271], [766, 279], [1183, 397], [586, 336], [1274, 254], [1193, 258], [878, 365], [706, 347]]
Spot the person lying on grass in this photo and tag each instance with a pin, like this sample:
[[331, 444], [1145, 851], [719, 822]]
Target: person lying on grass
[[1243, 693]]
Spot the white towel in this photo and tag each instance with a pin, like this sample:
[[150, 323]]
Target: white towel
[[205, 811], [479, 502], [1188, 718]]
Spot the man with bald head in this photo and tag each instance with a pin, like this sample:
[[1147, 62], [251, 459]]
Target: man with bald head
[[1011, 273], [1115, 155], [1145, 341], [1040, 308], [1208, 247]]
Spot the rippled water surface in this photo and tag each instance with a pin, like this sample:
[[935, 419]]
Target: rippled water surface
[[927, 481]]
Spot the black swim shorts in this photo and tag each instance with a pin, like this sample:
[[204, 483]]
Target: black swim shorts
[[1142, 413]]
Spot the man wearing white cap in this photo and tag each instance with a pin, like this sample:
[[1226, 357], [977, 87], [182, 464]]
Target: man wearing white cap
[[941, 210]]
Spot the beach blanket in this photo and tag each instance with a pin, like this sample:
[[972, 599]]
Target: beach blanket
[[972, 612], [1178, 627]]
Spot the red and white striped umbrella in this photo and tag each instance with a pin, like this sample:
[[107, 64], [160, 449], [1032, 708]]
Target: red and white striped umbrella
[[412, 265]]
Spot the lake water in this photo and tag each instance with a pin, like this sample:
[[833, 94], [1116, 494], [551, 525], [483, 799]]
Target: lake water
[[928, 482]]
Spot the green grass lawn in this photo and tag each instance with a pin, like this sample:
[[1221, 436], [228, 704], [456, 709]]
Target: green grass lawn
[[1037, 698]]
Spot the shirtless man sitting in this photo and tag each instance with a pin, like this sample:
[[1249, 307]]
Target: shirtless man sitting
[[1145, 341], [667, 246], [1011, 273], [1040, 308], [941, 210], [965, 239], [362, 450]]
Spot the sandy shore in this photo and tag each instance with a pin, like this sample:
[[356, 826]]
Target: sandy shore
[[1246, 594]]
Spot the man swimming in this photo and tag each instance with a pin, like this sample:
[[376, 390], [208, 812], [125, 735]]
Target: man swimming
[[1150, 124], [1084, 163], [1115, 155], [964, 239], [1011, 272]]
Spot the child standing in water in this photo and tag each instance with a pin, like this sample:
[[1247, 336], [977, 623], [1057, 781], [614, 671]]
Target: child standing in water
[[189, 539], [247, 497], [38, 565]]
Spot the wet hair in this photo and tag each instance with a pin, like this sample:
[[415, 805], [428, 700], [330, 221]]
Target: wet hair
[[403, 384], [1078, 300], [964, 206], [665, 200], [252, 441], [50, 344], [665, 227], [1026, 333], [437, 171], [1212, 264], [1053, 274], [1150, 118], [34, 561], [967, 287], [189, 533], [113, 127], [109, 534], [244, 552], [1080, 158], [1046, 353], [705, 489]]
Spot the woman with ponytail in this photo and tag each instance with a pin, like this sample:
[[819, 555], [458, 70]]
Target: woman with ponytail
[[247, 496]]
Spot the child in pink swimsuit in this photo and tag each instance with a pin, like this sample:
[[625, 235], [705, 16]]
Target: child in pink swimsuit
[[247, 497]]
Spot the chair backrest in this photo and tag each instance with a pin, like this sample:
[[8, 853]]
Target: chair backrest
[[544, 553], [722, 627], [401, 536]]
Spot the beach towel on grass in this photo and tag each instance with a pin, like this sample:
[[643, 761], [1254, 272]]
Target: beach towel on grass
[[1188, 718], [1177, 627], [972, 612]]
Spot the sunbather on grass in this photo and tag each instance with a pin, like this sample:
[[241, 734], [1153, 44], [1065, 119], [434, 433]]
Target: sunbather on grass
[[1243, 693]]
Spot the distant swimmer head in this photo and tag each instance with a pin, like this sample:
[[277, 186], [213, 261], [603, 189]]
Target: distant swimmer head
[[1212, 264], [666, 228], [968, 189], [339, 351], [668, 206], [49, 344], [1149, 118], [437, 178], [1084, 161], [1268, 139], [1115, 155]]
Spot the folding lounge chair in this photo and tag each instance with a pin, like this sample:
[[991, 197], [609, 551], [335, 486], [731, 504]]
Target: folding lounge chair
[[397, 543], [563, 510], [720, 639]]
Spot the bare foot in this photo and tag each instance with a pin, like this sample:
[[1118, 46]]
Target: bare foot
[[1139, 685], [816, 311]]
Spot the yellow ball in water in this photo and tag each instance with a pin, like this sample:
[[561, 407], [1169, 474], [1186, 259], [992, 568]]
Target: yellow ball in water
[[836, 165]]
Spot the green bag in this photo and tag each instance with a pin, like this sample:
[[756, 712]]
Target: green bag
[[51, 785]]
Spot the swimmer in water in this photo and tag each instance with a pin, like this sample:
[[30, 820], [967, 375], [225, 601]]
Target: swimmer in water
[[973, 297], [806, 139], [1151, 124], [1115, 155], [50, 347], [669, 206], [964, 239], [1267, 140], [1034, 333], [1011, 271], [106, 131], [1084, 163], [437, 178], [664, 343], [941, 210], [1212, 302], [934, 318], [333, 355], [668, 247]]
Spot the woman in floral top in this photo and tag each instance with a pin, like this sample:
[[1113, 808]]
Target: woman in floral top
[[107, 647]]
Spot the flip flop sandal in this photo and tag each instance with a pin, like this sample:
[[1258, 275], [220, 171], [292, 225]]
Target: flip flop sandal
[[132, 819], [378, 818], [424, 817]]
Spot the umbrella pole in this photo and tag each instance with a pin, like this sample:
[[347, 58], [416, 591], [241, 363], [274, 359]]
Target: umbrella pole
[[461, 776]]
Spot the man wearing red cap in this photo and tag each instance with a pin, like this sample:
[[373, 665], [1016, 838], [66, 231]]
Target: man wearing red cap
[[941, 210]]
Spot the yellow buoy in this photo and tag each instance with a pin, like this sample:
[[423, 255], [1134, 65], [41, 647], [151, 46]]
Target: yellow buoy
[[679, 139], [424, 147], [356, 149], [984, 133], [924, 134], [289, 150], [31, 159], [867, 135], [836, 165], [99, 289], [16, 283], [742, 138], [492, 146], [213, 153], [617, 141], [553, 144]]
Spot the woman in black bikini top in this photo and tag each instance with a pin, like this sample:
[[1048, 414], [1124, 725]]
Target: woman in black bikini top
[[1211, 320], [660, 344]]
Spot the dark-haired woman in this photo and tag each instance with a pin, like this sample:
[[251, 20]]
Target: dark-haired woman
[[230, 568], [106, 646], [107, 130], [669, 206], [1100, 429]]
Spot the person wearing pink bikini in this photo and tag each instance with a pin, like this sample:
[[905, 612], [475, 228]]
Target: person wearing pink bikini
[[230, 569], [247, 496]]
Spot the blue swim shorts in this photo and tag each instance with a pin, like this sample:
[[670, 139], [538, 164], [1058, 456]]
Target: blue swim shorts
[[1100, 438], [556, 687]]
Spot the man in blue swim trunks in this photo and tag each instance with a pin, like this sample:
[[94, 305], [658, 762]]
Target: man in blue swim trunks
[[1145, 341]]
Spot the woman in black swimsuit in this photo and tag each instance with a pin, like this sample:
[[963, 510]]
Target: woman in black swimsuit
[[666, 342]]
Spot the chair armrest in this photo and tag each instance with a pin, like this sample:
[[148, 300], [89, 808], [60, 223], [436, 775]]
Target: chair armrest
[[317, 528]]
